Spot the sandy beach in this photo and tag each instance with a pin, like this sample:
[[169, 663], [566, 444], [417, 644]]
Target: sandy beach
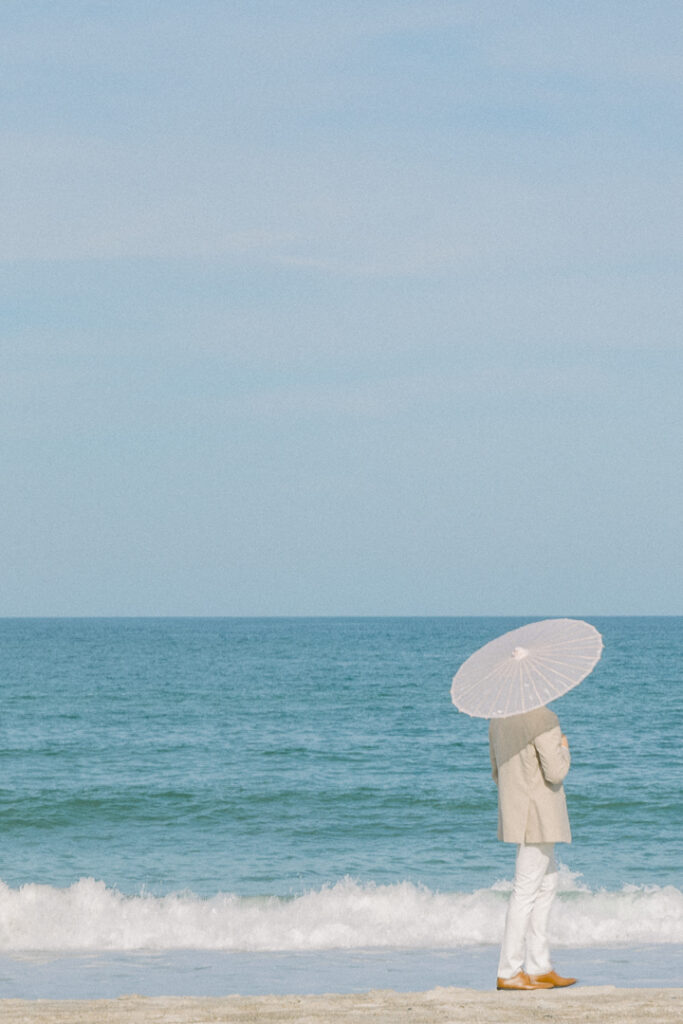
[[604, 1004]]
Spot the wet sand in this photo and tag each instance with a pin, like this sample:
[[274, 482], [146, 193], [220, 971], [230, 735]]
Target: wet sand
[[580, 1005]]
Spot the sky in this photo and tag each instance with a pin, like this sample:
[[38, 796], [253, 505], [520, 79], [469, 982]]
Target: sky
[[313, 308]]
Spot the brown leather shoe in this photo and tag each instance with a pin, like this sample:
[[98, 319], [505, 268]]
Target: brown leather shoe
[[554, 979], [522, 983]]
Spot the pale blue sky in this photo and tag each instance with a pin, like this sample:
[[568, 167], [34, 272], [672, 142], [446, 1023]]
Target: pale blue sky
[[358, 308]]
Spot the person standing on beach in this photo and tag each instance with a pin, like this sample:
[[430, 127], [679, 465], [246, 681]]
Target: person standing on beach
[[530, 759]]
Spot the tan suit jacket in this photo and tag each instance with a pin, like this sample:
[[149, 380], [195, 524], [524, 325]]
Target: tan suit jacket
[[529, 764]]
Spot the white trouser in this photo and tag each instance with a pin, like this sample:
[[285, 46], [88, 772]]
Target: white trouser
[[527, 916]]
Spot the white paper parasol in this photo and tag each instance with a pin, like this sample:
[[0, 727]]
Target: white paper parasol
[[526, 668]]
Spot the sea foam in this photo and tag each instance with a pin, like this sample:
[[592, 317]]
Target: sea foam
[[90, 916]]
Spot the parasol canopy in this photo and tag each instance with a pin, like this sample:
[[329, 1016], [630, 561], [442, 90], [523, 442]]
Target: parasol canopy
[[526, 668]]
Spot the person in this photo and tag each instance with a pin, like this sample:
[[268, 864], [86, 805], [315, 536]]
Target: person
[[529, 761]]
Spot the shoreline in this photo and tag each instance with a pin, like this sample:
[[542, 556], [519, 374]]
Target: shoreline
[[212, 973], [603, 1004]]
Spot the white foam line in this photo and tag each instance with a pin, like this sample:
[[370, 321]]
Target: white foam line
[[348, 915]]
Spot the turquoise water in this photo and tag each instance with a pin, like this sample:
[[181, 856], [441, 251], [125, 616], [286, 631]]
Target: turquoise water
[[303, 784]]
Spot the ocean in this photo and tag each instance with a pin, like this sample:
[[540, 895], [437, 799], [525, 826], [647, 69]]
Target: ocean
[[247, 805]]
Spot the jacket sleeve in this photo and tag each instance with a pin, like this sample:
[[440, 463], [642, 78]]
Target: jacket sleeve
[[554, 758]]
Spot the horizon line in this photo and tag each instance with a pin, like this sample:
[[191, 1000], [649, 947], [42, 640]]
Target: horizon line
[[442, 615]]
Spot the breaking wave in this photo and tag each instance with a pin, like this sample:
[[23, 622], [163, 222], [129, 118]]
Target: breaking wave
[[90, 916]]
